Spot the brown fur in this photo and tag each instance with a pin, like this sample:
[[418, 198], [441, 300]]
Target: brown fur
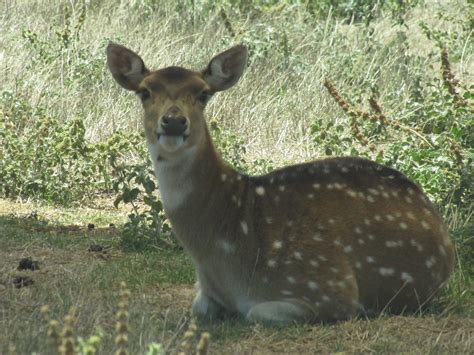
[[320, 241]]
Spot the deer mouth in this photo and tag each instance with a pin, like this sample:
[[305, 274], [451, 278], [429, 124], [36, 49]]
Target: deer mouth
[[171, 142]]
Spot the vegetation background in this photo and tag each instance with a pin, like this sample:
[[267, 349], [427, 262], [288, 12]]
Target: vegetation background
[[388, 80]]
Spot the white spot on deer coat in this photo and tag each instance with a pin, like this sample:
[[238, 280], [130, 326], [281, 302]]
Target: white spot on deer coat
[[351, 193], [298, 255], [291, 279], [427, 211], [347, 249], [425, 225], [317, 237], [314, 263], [226, 246], [260, 190], [373, 191], [244, 226], [410, 215], [430, 262], [386, 271], [277, 244]]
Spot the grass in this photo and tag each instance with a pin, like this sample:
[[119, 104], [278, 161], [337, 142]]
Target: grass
[[161, 285], [52, 65]]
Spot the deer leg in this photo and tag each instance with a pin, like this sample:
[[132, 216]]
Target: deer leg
[[205, 307], [281, 312]]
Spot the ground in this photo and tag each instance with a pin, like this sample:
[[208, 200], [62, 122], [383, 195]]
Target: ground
[[73, 271]]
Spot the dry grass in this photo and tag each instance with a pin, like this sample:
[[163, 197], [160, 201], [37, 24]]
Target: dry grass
[[159, 304], [277, 101]]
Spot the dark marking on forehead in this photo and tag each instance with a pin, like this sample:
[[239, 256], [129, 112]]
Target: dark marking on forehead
[[175, 81], [174, 74]]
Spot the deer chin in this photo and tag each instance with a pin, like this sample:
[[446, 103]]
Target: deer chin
[[171, 143]]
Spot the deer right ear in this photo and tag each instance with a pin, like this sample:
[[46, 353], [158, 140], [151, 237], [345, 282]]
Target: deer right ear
[[127, 68]]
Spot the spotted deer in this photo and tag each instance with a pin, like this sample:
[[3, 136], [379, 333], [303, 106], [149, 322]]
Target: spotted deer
[[321, 241]]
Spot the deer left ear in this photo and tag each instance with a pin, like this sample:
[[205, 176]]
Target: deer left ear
[[226, 68]]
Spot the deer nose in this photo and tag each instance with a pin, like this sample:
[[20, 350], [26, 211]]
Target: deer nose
[[174, 125]]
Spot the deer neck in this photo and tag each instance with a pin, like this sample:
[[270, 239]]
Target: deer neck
[[193, 193]]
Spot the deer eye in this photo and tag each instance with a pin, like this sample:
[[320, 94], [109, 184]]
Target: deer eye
[[143, 94], [204, 97]]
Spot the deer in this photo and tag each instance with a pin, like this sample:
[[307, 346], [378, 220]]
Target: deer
[[321, 241]]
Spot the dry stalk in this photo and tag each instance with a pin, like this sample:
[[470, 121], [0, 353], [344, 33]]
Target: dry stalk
[[186, 344], [450, 80], [121, 325], [352, 111], [203, 345], [355, 113], [66, 346], [227, 24]]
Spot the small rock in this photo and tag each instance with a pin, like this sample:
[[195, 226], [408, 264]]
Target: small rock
[[96, 248], [28, 264], [22, 281]]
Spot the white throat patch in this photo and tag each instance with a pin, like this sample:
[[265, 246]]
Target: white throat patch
[[174, 181]]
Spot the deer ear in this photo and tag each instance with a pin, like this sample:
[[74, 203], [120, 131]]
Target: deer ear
[[127, 68], [226, 68]]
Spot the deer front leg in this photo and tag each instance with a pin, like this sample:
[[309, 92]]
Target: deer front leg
[[205, 307], [281, 312]]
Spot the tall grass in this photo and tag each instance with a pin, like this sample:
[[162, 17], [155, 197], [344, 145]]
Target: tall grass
[[281, 94]]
